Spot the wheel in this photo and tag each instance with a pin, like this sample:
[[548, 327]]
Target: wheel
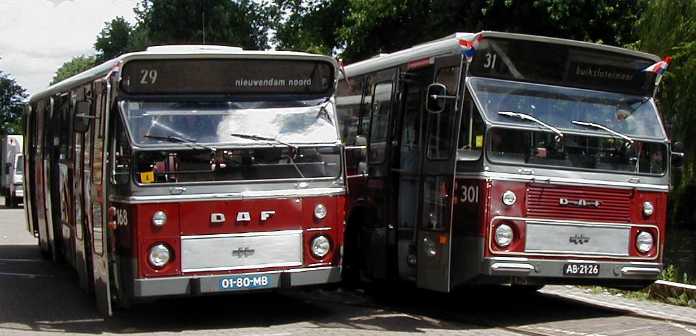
[[18, 201]]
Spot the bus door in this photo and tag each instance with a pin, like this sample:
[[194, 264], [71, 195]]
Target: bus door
[[434, 230], [406, 164], [97, 199], [374, 232], [82, 251]]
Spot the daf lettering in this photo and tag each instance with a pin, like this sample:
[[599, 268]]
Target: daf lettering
[[581, 203]]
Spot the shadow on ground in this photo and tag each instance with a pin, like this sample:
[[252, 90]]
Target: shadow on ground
[[43, 296]]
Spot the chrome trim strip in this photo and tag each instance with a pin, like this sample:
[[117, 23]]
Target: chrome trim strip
[[356, 147], [246, 234], [514, 259], [232, 268], [287, 193], [320, 229], [563, 181], [640, 271], [512, 267], [578, 223]]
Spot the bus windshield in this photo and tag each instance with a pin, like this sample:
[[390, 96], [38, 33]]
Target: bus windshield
[[567, 108], [156, 124], [570, 128]]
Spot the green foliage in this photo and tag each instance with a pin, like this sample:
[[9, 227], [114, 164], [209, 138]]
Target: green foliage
[[363, 28], [308, 25], [668, 27], [113, 40], [242, 23], [72, 67], [12, 97]]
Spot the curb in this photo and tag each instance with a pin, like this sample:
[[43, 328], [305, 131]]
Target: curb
[[663, 290]]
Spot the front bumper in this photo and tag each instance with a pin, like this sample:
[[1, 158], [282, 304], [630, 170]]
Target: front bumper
[[208, 284], [553, 269]]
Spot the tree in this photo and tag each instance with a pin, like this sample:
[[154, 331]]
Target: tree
[[308, 25], [363, 28], [113, 40], [668, 28], [12, 97], [242, 23], [72, 67]]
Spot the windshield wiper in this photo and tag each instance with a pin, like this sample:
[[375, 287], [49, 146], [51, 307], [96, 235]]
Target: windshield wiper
[[602, 127], [177, 139], [525, 116], [262, 138], [273, 140]]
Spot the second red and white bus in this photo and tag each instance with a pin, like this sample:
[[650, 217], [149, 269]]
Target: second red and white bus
[[532, 161], [189, 170]]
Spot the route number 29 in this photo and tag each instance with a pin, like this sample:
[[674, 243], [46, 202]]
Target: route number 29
[[148, 76], [469, 194]]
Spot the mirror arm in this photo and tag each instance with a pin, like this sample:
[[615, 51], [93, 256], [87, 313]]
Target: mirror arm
[[86, 116], [443, 97]]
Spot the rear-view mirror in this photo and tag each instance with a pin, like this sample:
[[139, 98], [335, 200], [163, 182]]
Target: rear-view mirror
[[436, 98], [82, 117]]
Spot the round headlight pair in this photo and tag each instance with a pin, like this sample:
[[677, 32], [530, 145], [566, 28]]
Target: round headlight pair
[[644, 242], [320, 246], [159, 255]]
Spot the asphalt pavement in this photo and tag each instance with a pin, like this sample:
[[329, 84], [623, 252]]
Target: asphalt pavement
[[40, 297]]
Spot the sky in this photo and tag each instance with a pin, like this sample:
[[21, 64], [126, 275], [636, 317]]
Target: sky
[[38, 36]]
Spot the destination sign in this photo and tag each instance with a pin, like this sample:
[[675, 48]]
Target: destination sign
[[227, 76], [565, 65]]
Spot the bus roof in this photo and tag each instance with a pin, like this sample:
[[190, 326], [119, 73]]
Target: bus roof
[[450, 45], [172, 52]]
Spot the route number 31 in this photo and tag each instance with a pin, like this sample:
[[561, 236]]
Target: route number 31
[[490, 61]]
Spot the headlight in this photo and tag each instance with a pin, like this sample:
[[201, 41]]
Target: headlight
[[644, 242], [320, 246], [159, 255], [320, 211], [648, 209], [503, 235], [159, 218], [509, 198]]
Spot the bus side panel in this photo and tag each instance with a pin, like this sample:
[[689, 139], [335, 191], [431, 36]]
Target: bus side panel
[[467, 223]]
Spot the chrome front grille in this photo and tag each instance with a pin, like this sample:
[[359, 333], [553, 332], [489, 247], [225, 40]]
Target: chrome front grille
[[571, 238], [241, 251]]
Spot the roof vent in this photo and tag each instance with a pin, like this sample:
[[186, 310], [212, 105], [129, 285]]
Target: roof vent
[[192, 48]]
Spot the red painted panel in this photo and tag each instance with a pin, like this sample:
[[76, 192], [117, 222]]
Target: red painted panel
[[143, 215], [196, 216]]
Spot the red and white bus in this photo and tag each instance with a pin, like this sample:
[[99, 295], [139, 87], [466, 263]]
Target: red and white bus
[[187, 170], [532, 161]]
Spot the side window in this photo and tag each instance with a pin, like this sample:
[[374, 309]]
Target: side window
[[381, 104], [348, 98], [440, 125], [121, 153], [471, 129], [98, 149]]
